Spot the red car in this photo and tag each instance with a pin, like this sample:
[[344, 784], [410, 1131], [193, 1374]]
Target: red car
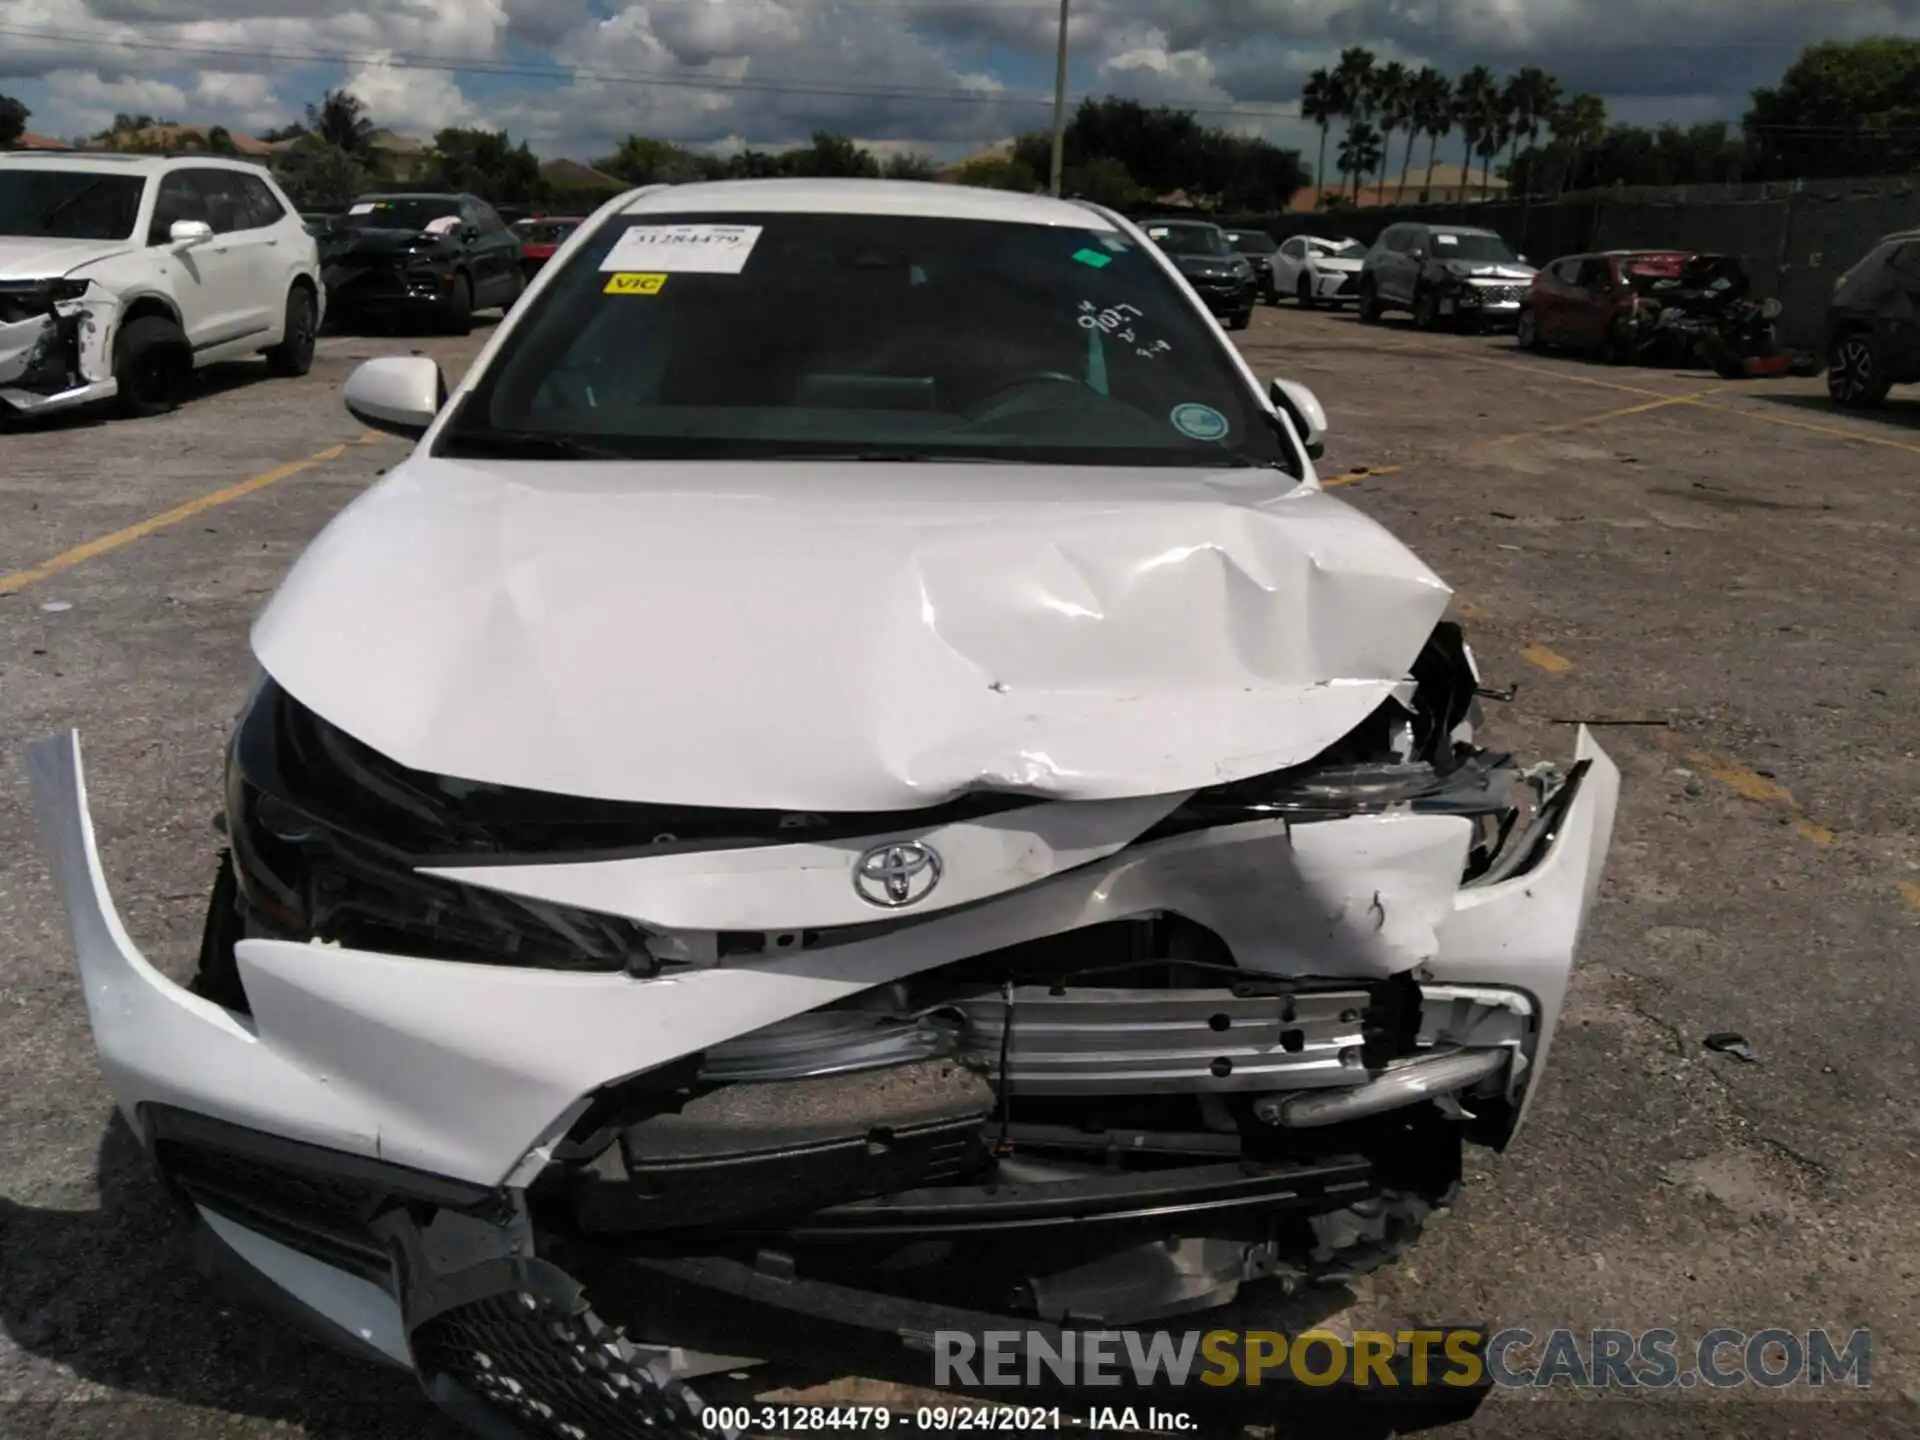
[[540, 237], [1587, 302]]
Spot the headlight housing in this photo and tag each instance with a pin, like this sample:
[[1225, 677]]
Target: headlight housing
[[29, 299]]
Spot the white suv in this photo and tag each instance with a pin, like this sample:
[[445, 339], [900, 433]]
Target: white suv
[[122, 274]]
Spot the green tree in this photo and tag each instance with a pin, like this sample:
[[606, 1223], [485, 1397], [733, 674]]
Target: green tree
[[1843, 108], [908, 166], [1356, 78], [1476, 100], [220, 141], [1531, 98], [641, 161], [830, 155], [1320, 104], [1432, 115], [319, 176], [1579, 126], [1103, 180], [1000, 172], [341, 120], [486, 163], [13, 120], [1394, 88], [1360, 152], [291, 131]]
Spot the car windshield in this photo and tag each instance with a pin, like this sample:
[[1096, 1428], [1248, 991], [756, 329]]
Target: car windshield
[[68, 204], [1189, 239], [545, 232], [1487, 249], [1254, 242], [1335, 249], [405, 212], [865, 337]]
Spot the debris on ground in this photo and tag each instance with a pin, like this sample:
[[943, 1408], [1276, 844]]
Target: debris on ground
[[1727, 1042]]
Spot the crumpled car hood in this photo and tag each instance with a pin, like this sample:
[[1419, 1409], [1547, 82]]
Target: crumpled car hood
[[35, 257], [1487, 270], [815, 636]]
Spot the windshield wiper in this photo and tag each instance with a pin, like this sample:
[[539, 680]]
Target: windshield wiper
[[524, 445]]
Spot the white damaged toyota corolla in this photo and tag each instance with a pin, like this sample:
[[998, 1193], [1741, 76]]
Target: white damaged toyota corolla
[[854, 785]]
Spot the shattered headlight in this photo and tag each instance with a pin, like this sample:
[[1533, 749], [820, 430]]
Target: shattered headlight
[[328, 842], [33, 299]]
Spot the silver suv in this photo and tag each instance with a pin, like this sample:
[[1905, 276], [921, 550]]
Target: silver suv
[[1449, 276]]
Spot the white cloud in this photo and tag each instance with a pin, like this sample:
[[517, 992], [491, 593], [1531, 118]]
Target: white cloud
[[772, 70]]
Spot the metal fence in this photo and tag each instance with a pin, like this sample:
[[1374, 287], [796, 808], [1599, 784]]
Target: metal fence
[[1795, 239]]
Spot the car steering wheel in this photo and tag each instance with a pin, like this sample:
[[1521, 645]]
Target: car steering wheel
[[992, 405]]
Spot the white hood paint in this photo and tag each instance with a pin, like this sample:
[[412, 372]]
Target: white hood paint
[[34, 257], [846, 637]]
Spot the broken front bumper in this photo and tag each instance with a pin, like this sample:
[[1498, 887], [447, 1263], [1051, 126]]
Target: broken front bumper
[[456, 1084], [56, 349]]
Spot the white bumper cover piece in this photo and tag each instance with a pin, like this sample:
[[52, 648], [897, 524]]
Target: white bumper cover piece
[[468, 1071], [25, 347]]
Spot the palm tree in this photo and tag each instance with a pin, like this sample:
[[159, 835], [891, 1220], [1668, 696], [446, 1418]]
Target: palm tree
[[1579, 124], [1493, 139], [341, 120], [1393, 92], [1432, 114], [1475, 98], [1355, 77], [1531, 97], [1320, 103], [1360, 152]]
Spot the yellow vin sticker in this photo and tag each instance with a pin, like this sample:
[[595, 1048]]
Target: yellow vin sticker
[[630, 284]]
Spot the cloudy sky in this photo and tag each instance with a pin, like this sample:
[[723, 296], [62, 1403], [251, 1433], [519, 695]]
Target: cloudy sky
[[940, 76]]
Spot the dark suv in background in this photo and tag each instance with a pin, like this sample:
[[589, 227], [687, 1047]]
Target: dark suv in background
[[1450, 276], [1223, 276], [419, 256], [1873, 324]]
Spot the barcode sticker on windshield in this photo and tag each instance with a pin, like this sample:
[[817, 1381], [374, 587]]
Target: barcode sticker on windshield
[[1446, 239], [364, 208], [683, 249]]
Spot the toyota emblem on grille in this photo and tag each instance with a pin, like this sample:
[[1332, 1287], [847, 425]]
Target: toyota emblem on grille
[[896, 875]]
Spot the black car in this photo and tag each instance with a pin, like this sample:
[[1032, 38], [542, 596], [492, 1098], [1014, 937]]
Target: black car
[[1259, 248], [1873, 324], [1223, 277], [434, 256]]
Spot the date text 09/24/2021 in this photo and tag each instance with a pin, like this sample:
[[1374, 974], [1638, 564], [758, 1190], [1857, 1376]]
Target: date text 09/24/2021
[[1046, 1420]]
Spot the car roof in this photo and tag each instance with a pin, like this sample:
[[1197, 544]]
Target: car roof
[[1176, 220], [1461, 230], [864, 197], [1328, 239], [409, 195], [108, 161]]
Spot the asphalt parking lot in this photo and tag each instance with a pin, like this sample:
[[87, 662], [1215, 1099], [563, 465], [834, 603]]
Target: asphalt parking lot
[[1724, 576]]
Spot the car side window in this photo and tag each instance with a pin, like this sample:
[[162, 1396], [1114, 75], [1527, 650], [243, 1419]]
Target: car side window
[[1904, 261], [490, 221], [1293, 249], [1592, 272], [263, 209], [179, 199], [226, 201]]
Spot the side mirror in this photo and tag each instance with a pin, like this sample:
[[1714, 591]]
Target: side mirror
[[1417, 253], [1303, 408], [190, 232], [1525, 261], [399, 394]]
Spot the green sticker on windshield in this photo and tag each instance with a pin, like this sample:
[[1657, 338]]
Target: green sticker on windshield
[[1093, 258]]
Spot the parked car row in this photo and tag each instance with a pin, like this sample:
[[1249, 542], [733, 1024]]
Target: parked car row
[[122, 274]]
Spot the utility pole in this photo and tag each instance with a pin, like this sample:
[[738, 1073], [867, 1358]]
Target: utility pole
[[1059, 105]]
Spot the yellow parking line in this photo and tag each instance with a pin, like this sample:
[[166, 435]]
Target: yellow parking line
[[1835, 431], [1547, 660], [1641, 409], [66, 560], [1354, 476]]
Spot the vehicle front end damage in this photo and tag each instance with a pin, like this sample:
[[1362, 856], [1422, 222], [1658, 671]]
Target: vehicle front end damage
[[569, 1104], [56, 344]]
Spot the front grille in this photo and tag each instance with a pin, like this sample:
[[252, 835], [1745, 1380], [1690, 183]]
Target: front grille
[[1501, 294], [552, 1365], [1340, 286]]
